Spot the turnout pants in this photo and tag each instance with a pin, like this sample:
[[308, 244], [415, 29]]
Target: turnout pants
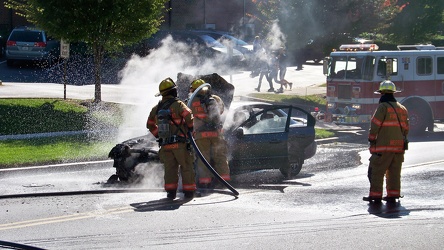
[[214, 149], [386, 164], [173, 155]]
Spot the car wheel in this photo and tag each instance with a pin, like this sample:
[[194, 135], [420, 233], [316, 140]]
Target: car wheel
[[291, 170]]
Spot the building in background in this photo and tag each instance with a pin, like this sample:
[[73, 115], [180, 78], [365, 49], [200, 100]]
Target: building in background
[[236, 16]]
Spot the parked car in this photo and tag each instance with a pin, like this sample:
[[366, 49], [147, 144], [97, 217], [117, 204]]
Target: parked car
[[226, 38], [259, 136], [202, 45], [2, 46], [31, 44]]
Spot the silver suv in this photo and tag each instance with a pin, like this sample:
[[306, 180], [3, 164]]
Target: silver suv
[[30, 44]]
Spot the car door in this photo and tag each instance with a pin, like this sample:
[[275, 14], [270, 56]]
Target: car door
[[260, 142]]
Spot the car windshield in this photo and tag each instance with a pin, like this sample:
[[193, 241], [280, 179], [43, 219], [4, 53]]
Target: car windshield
[[26, 36], [211, 42], [236, 40]]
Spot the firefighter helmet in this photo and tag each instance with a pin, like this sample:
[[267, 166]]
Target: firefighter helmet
[[165, 86], [386, 86], [196, 84]]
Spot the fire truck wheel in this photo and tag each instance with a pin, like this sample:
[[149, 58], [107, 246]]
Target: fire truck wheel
[[417, 120]]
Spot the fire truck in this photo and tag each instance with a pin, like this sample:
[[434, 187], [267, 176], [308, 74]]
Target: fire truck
[[355, 71]]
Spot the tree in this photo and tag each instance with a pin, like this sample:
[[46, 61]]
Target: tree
[[417, 21], [335, 21], [105, 25], [331, 21]]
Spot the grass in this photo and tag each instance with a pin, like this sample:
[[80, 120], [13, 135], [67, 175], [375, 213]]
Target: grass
[[51, 150], [323, 133], [309, 100], [29, 116]]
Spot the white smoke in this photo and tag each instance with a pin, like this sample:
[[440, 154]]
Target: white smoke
[[275, 38], [143, 75]]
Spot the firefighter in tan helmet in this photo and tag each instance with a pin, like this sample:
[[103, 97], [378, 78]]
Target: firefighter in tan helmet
[[207, 109], [388, 141], [169, 122]]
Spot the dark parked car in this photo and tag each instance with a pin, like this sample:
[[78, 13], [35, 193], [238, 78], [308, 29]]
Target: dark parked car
[[2, 46], [259, 136], [31, 44]]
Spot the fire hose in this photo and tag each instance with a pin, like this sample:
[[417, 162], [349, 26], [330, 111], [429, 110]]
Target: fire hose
[[193, 142]]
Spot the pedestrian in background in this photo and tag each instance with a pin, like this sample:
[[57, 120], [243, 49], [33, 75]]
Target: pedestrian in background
[[388, 141], [255, 63], [264, 71], [169, 122]]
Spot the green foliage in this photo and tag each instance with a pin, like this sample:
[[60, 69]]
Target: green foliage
[[106, 26], [332, 22], [328, 20], [106, 23], [27, 116], [417, 21]]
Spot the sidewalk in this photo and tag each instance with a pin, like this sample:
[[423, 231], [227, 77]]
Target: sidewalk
[[308, 81]]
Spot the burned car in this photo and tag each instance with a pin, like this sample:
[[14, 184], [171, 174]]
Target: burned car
[[266, 136], [259, 135]]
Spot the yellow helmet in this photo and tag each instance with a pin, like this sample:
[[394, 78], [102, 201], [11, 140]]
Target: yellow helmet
[[165, 86], [196, 84], [386, 86]]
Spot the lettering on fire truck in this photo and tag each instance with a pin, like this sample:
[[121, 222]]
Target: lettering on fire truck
[[355, 71]]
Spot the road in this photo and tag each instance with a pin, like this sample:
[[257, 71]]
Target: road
[[321, 208], [71, 207]]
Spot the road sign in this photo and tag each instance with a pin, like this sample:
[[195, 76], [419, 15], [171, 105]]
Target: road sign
[[64, 49]]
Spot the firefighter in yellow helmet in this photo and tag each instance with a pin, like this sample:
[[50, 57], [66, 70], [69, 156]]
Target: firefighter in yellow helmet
[[207, 109], [169, 121], [388, 141]]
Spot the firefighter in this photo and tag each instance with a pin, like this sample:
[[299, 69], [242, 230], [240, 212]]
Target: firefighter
[[169, 122], [388, 141], [207, 109]]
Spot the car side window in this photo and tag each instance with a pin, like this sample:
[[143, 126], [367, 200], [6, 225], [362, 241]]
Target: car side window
[[266, 122]]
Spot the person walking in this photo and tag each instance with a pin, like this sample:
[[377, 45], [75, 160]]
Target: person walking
[[255, 62], [388, 141], [283, 61], [207, 109], [169, 121], [264, 71]]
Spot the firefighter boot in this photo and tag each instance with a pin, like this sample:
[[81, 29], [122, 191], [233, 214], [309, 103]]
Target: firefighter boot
[[392, 199], [372, 199], [171, 195], [188, 194]]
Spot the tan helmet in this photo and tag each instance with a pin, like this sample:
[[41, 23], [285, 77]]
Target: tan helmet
[[196, 84], [165, 86], [386, 86]]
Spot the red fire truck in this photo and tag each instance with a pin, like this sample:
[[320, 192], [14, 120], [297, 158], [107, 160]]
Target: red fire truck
[[355, 71]]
